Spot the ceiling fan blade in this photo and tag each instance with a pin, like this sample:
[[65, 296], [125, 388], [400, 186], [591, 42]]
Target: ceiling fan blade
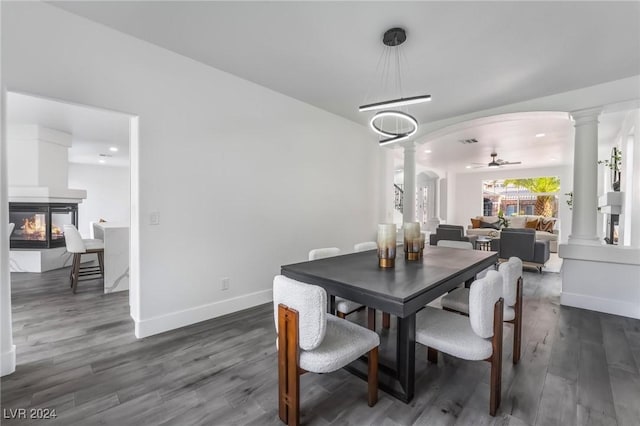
[[511, 163]]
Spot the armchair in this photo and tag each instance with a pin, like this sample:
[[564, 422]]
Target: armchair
[[522, 243], [452, 233]]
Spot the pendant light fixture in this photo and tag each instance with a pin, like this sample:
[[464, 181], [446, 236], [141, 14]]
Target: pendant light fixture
[[394, 122]]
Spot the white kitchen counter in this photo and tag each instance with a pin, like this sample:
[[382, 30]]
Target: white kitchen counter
[[116, 254]]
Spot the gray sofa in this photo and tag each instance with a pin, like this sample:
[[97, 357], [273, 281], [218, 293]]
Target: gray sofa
[[450, 232], [518, 222], [522, 243]]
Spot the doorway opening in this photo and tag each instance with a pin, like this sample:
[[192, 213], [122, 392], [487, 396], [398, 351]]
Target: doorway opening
[[61, 153]]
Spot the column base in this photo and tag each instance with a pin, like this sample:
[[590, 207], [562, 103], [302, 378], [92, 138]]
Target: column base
[[8, 361], [591, 240]]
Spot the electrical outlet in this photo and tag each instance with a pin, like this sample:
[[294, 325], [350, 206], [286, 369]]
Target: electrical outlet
[[224, 283]]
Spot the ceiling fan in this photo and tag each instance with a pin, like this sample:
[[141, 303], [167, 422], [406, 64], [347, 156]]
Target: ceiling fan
[[496, 162]]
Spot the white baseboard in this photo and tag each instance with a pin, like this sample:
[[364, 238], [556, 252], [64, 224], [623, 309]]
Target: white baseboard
[[599, 304], [8, 361], [160, 324]]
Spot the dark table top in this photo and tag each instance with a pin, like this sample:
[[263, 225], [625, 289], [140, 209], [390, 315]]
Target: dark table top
[[400, 290]]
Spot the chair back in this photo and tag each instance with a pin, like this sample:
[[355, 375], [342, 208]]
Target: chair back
[[517, 242], [510, 271], [73, 240], [321, 253], [455, 244], [11, 227], [451, 232], [311, 303], [366, 246], [483, 295]]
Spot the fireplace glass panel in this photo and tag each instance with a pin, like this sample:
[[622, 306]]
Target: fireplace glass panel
[[40, 225], [30, 226], [59, 218]]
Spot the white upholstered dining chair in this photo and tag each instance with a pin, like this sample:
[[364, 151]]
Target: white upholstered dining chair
[[344, 307], [310, 340], [77, 246], [466, 245], [365, 246], [511, 271], [475, 338]]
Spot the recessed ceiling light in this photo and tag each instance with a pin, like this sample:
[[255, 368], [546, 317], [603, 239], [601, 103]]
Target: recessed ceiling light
[[113, 149], [101, 161], [427, 151], [552, 159], [467, 167], [540, 135]]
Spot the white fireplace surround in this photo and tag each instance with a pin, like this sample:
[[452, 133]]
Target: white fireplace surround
[[38, 166], [37, 172]]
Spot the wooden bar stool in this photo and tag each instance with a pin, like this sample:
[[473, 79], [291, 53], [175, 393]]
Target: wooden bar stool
[[78, 246]]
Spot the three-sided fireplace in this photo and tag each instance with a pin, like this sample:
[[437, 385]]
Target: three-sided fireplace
[[40, 225]]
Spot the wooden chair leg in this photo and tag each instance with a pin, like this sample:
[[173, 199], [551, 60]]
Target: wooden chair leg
[[73, 268], [101, 261], [517, 324], [372, 376], [496, 384], [288, 372], [432, 355], [386, 320], [496, 358], [76, 272], [371, 319]]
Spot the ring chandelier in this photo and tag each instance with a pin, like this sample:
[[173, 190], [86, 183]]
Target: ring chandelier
[[393, 136], [393, 38]]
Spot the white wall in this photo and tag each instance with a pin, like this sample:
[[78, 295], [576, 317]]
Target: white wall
[[108, 194], [244, 179], [467, 195]]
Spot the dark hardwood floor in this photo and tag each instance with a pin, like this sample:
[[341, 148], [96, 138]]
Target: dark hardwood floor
[[77, 354]]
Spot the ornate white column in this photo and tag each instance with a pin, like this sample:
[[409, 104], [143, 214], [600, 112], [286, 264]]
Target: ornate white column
[[434, 220], [409, 200], [7, 348], [585, 178]]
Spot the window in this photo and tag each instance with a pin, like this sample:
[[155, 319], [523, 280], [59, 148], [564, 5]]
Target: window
[[530, 196]]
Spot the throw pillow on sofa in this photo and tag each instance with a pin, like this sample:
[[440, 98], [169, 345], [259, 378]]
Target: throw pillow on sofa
[[495, 225], [517, 221], [546, 224], [532, 224], [475, 223]]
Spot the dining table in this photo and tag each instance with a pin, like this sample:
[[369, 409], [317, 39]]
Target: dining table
[[401, 291]]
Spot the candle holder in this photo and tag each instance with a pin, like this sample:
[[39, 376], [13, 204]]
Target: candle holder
[[412, 244], [386, 245]]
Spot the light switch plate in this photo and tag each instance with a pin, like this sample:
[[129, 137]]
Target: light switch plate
[[154, 218]]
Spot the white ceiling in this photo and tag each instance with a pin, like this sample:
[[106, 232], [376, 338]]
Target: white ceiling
[[94, 131], [469, 56], [511, 136]]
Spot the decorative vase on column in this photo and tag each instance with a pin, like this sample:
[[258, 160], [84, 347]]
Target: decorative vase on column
[[615, 165]]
